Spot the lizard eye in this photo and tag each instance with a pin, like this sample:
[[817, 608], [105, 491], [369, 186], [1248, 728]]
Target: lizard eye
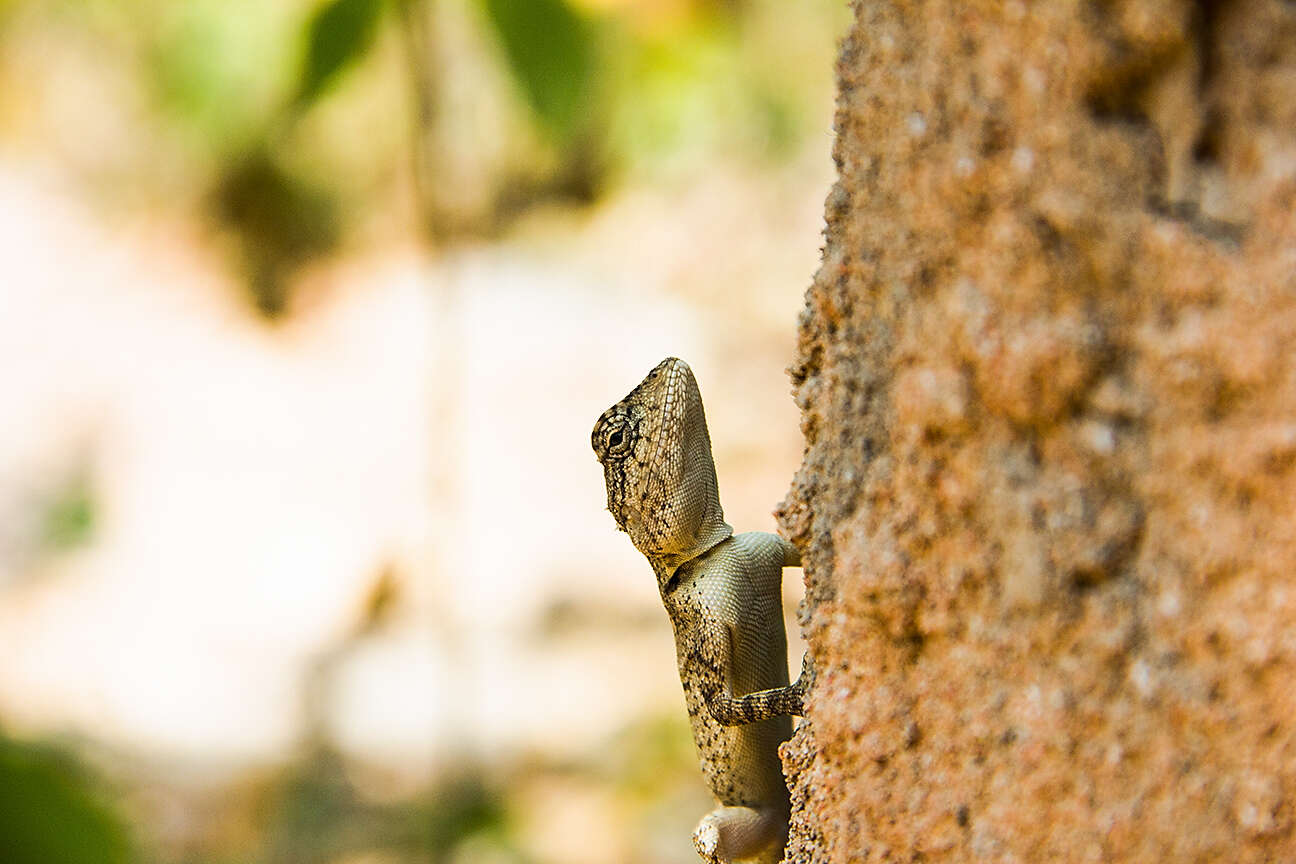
[[619, 437], [613, 435]]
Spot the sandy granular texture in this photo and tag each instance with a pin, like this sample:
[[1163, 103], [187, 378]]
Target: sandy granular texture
[[1049, 393]]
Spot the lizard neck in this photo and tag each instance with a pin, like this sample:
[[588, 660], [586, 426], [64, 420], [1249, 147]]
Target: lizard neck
[[713, 533]]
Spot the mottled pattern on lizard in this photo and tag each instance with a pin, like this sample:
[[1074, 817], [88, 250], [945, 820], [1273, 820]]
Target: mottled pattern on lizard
[[723, 594]]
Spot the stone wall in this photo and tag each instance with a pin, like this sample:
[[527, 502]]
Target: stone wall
[[1048, 505]]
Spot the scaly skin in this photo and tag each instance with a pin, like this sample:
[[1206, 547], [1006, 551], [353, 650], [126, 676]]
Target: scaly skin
[[723, 595]]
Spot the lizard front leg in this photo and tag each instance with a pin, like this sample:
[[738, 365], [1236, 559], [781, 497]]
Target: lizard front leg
[[731, 710], [725, 707]]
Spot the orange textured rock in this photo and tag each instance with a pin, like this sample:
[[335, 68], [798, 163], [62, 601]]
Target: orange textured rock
[[1049, 393]]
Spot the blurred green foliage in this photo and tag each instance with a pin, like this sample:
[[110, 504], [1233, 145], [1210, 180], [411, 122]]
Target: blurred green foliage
[[69, 516], [550, 53], [215, 68], [290, 126], [337, 35], [55, 810], [317, 815], [51, 811], [461, 806]]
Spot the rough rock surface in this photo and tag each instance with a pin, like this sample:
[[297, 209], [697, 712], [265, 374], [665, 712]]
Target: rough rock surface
[[1048, 387]]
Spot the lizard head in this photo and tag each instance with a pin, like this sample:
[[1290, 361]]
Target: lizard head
[[661, 480]]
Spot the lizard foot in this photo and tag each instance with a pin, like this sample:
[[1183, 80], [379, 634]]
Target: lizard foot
[[706, 840], [729, 834], [803, 683]]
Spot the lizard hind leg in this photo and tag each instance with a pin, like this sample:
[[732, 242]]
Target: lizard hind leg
[[729, 834]]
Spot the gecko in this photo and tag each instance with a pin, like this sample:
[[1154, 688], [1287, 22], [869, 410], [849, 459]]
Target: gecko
[[722, 592]]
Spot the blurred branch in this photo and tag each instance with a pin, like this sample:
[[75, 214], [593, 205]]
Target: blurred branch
[[424, 76]]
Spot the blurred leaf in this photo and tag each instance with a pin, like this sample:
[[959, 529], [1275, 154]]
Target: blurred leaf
[[339, 34], [459, 806], [48, 811], [69, 518], [550, 53], [281, 222], [318, 817]]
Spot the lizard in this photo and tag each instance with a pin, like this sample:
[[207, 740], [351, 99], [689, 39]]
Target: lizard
[[722, 593]]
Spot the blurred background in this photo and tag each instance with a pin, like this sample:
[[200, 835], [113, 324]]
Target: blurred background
[[307, 309]]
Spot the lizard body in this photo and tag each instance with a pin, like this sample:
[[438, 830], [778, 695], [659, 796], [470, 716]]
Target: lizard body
[[723, 594]]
